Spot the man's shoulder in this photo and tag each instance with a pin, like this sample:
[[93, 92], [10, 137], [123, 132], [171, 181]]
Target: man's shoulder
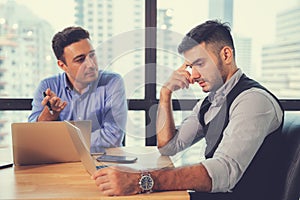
[[54, 81], [54, 78], [106, 77], [108, 74]]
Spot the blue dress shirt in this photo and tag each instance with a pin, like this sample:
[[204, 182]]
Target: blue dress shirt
[[103, 102]]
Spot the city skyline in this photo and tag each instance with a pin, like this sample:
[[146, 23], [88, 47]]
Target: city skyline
[[52, 11], [179, 23]]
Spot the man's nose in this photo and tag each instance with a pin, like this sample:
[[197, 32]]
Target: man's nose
[[195, 73], [89, 62]]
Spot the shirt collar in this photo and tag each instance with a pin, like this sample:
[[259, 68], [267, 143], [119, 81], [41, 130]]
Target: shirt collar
[[69, 88], [67, 85], [218, 97]]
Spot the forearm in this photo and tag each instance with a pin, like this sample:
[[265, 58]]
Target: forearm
[[165, 125], [194, 177], [104, 137]]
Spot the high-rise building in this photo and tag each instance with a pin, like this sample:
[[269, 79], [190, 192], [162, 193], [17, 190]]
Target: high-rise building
[[26, 50], [243, 50], [280, 60], [223, 10], [25, 55], [116, 32], [110, 23]]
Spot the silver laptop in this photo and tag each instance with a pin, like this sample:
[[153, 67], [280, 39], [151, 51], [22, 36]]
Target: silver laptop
[[45, 142], [82, 148]]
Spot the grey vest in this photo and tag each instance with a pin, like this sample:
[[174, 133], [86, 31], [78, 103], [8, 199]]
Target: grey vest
[[263, 176]]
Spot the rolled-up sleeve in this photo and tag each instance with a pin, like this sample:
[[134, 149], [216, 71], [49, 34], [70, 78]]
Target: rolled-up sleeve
[[189, 132]]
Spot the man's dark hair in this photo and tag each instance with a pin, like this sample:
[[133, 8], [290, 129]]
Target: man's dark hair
[[212, 32], [66, 37]]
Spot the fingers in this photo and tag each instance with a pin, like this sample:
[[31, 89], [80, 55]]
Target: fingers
[[184, 66], [56, 103], [179, 79], [104, 185], [99, 173], [105, 182], [48, 92], [45, 100], [115, 181], [99, 180], [106, 189]]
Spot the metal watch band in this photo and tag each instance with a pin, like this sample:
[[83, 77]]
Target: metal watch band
[[146, 182]]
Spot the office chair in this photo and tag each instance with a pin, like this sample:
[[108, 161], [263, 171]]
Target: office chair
[[291, 189], [291, 132]]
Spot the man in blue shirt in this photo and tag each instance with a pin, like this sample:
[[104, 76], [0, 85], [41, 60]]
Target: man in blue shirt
[[82, 92]]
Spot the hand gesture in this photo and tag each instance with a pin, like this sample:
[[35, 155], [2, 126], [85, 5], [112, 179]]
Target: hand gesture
[[55, 103], [180, 79]]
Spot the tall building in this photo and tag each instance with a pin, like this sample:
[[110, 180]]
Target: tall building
[[243, 50], [280, 60], [116, 29], [26, 50], [223, 10], [25, 56]]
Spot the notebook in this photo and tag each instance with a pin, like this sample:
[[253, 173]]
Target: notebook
[[45, 142], [82, 148]]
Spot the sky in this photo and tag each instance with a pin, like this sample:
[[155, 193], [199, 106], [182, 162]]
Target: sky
[[256, 14], [59, 13], [252, 18]]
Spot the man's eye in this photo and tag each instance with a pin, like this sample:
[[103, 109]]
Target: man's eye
[[80, 60], [92, 55], [198, 64]]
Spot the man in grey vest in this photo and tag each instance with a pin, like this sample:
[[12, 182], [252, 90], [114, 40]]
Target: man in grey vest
[[240, 120]]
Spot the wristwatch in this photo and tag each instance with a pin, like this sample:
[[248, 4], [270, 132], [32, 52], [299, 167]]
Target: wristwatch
[[146, 182]]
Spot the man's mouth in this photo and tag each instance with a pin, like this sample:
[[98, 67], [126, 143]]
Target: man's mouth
[[91, 73], [202, 83]]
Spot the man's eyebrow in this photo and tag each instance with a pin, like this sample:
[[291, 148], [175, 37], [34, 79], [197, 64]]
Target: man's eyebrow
[[83, 55], [196, 61], [78, 56]]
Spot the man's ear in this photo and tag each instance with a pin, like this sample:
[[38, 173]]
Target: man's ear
[[227, 54], [62, 65]]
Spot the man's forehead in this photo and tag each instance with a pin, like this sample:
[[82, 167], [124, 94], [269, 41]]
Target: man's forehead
[[195, 54], [81, 45], [78, 48]]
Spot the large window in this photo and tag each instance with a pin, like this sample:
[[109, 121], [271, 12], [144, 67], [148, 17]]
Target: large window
[[265, 36], [138, 39]]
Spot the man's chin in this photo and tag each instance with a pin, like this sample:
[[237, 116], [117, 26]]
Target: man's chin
[[205, 89], [91, 77]]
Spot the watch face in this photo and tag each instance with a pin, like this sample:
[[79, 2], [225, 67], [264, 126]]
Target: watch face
[[146, 182]]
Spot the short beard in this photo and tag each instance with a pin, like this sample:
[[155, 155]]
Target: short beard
[[221, 69]]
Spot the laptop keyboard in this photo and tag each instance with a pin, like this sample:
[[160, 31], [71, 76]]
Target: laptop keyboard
[[101, 166]]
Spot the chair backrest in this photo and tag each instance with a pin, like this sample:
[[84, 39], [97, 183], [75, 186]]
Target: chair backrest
[[291, 131]]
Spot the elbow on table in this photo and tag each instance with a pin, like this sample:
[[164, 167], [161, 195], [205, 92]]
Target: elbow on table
[[164, 151]]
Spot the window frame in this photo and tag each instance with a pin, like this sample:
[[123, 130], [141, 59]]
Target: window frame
[[150, 100]]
